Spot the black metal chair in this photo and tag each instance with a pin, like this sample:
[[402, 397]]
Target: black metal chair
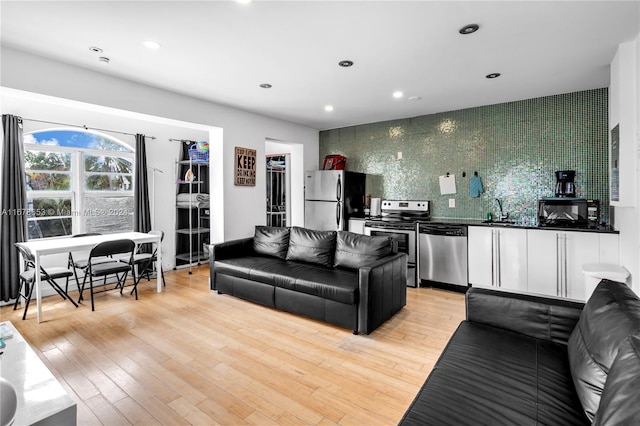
[[77, 263], [28, 279], [97, 266], [144, 261]]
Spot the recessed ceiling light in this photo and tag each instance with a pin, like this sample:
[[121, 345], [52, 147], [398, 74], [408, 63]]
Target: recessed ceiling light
[[398, 94], [244, 1], [103, 60], [469, 29], [345, 63], [150, 44], [95, 49], [266, 86], [328, 108], [493, 75]]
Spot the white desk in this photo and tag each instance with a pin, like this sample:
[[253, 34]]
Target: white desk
[[48, 246], [41, 398]]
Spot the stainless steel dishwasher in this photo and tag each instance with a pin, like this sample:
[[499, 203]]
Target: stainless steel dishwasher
[[442, 255]]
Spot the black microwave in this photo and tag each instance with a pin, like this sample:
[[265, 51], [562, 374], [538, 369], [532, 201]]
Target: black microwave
[[568, 212]]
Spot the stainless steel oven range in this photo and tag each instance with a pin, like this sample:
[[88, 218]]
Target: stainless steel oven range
[[398, 220]]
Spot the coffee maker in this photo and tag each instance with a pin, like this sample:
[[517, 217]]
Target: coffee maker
[[564, 183]]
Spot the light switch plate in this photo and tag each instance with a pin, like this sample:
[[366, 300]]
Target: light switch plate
[[452, 203]]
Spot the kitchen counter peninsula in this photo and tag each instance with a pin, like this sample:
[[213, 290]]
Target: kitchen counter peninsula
[[479, 222]]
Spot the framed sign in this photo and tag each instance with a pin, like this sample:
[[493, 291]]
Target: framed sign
[[245, 167]]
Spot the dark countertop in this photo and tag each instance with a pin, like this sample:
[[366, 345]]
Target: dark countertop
[[479, 222]]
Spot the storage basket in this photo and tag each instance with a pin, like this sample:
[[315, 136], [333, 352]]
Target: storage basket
[[334, 162], [198, 156]]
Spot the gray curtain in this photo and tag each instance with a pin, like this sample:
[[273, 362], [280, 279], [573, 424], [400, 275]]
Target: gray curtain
[[13, 218], [142, 213]]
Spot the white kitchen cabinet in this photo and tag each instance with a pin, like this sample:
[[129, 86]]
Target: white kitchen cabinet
[[356, 226], [498, 257], [555, 260]]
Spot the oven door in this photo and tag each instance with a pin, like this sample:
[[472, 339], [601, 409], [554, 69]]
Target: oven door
[[406, 240]]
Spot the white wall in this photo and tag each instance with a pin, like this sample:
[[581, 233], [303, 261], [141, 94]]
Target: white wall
[[624, 109], [242, 207]]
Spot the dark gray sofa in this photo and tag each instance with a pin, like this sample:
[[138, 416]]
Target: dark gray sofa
[[350, 280], [527, 360]]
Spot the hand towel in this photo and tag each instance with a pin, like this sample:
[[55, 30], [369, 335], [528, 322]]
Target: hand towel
[[475, 187]]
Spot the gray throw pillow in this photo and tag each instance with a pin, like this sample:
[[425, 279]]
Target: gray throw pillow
[[610, 315], [355, 250], [306, 245], [271, 241]]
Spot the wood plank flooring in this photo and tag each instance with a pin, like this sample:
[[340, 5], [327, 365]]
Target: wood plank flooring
[[191, 356]]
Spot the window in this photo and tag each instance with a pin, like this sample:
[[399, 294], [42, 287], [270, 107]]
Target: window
[[77, 181]]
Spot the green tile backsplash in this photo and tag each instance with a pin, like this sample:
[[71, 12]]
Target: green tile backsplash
[[514, 147]]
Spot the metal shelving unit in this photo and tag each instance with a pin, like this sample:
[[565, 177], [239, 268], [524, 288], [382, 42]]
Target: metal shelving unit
[[278, 189], [192, 213]]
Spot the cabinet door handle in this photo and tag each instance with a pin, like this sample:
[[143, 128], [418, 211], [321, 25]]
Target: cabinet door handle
[[558, 265], [493, 258], [565, 274], [498, 271]]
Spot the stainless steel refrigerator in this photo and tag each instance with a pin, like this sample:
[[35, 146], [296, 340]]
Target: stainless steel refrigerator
[[331, 197]]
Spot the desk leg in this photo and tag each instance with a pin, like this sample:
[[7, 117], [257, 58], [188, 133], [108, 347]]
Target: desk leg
[[37, 284], [159, 281]]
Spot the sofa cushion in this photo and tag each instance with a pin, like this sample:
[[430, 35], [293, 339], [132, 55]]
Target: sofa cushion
[[328, 283], [306, 245], [491, 376], [354, 250], [619, 404], [610, 315], [271, 241]]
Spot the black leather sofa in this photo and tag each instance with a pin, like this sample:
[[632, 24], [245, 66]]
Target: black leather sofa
[[350, 280], [527, 360]]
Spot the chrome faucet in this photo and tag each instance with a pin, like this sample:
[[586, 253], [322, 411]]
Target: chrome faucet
[[502, 216]]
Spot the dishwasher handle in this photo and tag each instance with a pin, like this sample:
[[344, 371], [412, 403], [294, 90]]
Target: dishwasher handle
[[442, 229]]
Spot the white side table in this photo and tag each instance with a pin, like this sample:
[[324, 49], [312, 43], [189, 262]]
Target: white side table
[[41, 398]]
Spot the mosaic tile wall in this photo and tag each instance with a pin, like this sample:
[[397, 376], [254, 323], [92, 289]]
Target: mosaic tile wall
[[514, 147]]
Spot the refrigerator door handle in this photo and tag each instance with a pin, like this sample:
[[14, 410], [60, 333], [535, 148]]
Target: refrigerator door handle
[[338, 212], [339, 190]]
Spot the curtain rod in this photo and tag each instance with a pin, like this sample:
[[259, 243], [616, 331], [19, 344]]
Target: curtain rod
[[85, 127], [182, 140]]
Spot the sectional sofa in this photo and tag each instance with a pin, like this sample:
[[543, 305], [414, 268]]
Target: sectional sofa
[[346, 279], [526, 360]]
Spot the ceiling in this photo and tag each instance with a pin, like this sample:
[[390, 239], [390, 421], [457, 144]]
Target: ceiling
[[222, 51]]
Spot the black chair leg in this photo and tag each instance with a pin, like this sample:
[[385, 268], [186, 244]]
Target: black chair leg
[[22, 283], [26, 306], [91, 287]]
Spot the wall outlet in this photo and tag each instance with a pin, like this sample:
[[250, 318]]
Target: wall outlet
[[452, 203], [399, 155]]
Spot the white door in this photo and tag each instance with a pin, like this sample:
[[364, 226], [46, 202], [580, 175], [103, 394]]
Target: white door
[[581, 248], [543, 273], [512, 262], [480, 256]]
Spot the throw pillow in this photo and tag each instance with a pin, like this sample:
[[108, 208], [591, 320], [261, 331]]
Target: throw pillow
[[621, 394], [311, 246], [610, 315], [271, 241], [354, 250]]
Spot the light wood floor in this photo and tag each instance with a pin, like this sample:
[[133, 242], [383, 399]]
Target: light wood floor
[[191, 356]]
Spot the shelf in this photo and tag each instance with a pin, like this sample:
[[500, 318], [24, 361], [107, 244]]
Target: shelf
[[193, 231], [181, 181], [199, 256], [194, 163], [191, 206]]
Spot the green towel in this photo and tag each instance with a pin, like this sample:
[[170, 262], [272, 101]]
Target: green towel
[[475, 187]]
